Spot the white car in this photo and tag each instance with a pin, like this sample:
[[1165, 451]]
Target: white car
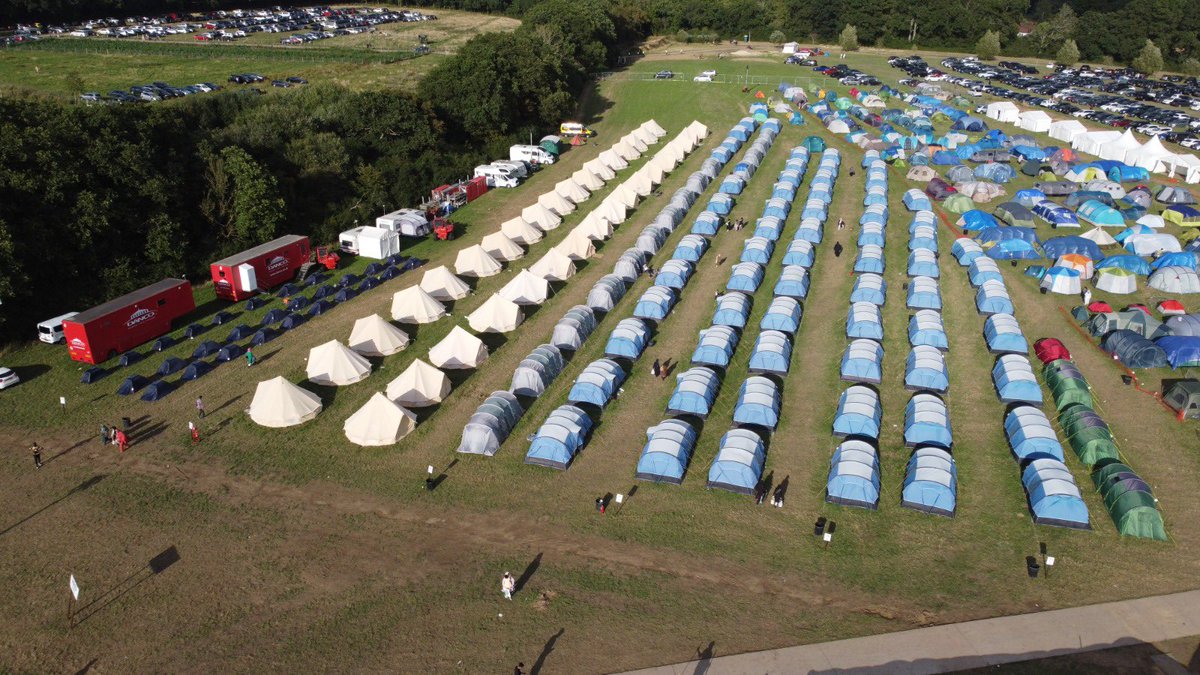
[[702, 78], [8, 378], [709, 73]]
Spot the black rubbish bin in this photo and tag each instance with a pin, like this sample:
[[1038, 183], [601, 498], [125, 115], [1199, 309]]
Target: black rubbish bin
[[126, 423], [819, 528], [1032, 566], [1127, 379]]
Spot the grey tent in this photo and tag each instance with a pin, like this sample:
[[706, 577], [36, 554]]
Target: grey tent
[[575, 327], [537, 371], [1184, 397], [490, 425], [607, 291], [629, 266], [1174, 195], [1132, 319], [1186, 325], [960, 173], [1057, 188]]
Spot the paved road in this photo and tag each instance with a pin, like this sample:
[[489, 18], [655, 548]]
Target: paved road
[[973, 644]]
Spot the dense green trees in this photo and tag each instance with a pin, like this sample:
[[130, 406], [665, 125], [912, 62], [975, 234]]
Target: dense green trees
[[988, 45]]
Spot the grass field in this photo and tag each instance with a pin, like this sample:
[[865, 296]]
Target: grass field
[[67, 67], [301, 550]]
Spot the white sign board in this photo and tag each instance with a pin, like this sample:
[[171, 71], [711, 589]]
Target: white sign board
[[74, 587], [62, 400], [620, 498], [1049, 560], [429, 469], [828, 537]]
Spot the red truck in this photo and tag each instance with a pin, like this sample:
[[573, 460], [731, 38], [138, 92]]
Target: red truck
[[121, 324], [261, 268]]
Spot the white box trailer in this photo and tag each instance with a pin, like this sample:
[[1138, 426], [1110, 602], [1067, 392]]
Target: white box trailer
[[370, 242], [407, 222]]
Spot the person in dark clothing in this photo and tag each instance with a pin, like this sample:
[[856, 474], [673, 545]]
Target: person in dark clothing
[[37, 454], [837, 249], [655, 368], [520, 669], [105, 434]]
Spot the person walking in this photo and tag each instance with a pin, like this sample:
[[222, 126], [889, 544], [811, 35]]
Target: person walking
[[37, 454], [841, 223], [195, 433], [249, 357], [1087, 296], [200, 406], [508, 585], [654, 368], [520, 669], [837, 249], [105, 434], [112, 435], [663, 371], [122, 440]]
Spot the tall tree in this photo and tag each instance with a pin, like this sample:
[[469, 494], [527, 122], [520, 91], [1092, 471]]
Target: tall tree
[[849, 38], [257, 208], [1149, 60], [1055, 30], [988, 46], [1068, 54]]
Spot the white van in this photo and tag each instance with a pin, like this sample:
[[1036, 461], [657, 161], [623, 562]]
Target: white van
[[518, 168], [531, 153], [497, 176], [50, 331]]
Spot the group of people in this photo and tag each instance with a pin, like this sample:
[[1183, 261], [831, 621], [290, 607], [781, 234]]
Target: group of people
[[114, 436], [760, 494], [660, 370], [734, 225]]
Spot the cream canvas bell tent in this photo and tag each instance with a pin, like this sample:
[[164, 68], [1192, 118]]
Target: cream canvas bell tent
[[595, 226], [414, 305], [570, 189], [420, 385], [541, 217], [587, 180], [496, 315], [374, 336], [640, 183], [473, 261], [554, 266], [279, 403], [526, 288], [521, 232], [379, 422], [501, 247], [577, 245], [625, 195], [600, 169], [458, 351], [441, 284], [333, 363], [613, 161], [556, 203]]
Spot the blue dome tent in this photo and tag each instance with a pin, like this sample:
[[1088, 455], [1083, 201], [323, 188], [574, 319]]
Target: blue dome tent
[[783, 314], [597, 383], [559, 438], [1004, 336], [931, 482], [1015, 380], [1029, 433], [732, 310], [758, 403], [927, 422], [695, 391], [715, 346], [772, 353], [925, 328], [923, 293], [862, 362], [738, 465], [667, 452], [854, 476], [858, 413], [925, 369], [655, 304]]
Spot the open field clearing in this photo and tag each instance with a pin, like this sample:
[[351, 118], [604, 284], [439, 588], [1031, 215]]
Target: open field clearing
[[300, 550]]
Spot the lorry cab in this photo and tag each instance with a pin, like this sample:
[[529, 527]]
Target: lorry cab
[[50, 331], [497, 176], [574, 129]]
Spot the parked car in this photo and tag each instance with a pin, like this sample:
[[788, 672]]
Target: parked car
[[664, 75], [8, 378], [702, 78], [297, 80], [280, 83]]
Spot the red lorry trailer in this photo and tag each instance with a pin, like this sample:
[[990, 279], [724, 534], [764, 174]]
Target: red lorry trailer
[[123, 323], [261, 268]]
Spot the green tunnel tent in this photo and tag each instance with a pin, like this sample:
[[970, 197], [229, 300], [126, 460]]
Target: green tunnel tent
[[814, 144], [1091, 444], [1108, 471], [1066, 384], [1134, 510]]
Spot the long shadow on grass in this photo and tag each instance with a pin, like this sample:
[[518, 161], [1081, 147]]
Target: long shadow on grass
[[549, 647], [157, 565], [82, 487], [530, 570]]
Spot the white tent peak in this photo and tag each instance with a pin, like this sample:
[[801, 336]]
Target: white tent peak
[[333, 363], [414, 305], [379, 422], [374, 336], [280, 403], [419, 385]]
